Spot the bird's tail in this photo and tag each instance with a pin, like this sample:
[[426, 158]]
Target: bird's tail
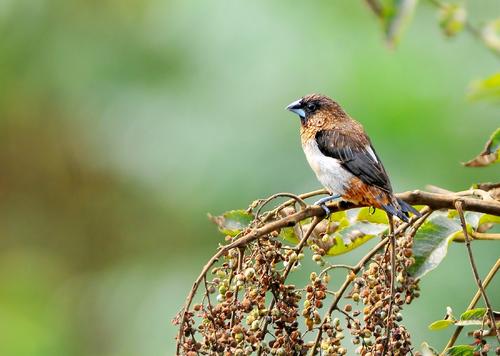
[[400, 208]]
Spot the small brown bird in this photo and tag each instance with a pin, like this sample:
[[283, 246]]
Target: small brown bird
[[343, 158]]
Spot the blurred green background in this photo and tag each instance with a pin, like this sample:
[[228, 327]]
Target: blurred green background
[[123, 122]]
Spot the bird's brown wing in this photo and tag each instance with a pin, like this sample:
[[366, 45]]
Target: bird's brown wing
[[356, 155]]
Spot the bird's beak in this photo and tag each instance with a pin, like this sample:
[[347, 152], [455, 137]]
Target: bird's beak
[[296, 107]]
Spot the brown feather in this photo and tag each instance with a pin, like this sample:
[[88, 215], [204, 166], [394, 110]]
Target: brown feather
[[330, 116], [361, 193]]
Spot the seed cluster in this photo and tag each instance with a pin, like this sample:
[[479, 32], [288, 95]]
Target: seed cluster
[[248, 306], [373, 290]]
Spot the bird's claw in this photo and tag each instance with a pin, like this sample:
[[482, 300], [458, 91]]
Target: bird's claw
[[327, 211], [322, 203]]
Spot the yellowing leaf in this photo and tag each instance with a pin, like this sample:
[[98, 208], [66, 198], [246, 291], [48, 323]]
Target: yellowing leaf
[[490, 153], [377, 216], [441, 324], [340, 217], [487, 219]]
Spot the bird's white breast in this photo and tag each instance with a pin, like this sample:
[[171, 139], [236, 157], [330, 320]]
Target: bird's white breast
[[328, 170]]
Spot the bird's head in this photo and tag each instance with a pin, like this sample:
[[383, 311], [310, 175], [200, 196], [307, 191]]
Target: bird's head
[[316, 106]]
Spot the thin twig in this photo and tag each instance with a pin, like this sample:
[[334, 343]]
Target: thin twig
[[425, 213], [192, 292], [494, 269], [333, 267], [210, 307], [291, 201], [295, 198], [458, 205], [392, 238], [241, 252], [347, 315], [481, 332], [374, 5], [468, 26]]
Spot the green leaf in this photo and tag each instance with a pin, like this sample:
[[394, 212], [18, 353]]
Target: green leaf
[[353, 236], [470, 317], [441, 324], [485, 89], [460, 350], [396, 15], [232, 222], [288, 234], [489, 154], [431, 241], [452, 18], [473, 314]]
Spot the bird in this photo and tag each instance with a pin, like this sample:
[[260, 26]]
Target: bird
[[343, 158]]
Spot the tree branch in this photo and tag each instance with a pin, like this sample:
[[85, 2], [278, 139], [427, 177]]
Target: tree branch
[[447, 201], [458, 205], [433, 200], [392, 238]]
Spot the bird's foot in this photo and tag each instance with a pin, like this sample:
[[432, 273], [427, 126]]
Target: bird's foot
[[322, 203]]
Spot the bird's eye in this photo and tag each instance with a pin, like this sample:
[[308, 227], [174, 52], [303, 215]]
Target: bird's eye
[[311, 107]]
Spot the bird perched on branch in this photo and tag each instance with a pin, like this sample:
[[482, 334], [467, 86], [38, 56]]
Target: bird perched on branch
[[343, 158]]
